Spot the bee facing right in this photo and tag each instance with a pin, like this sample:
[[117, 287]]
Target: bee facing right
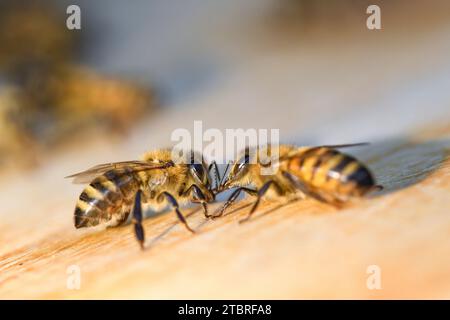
[[116, 190], [321, 172]]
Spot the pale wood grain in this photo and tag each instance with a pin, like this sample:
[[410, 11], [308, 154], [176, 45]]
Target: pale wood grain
[[389, 87], [302, 250]]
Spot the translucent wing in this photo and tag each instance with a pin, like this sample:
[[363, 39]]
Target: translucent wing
[[348, 145], [331, 146], [90, 174]]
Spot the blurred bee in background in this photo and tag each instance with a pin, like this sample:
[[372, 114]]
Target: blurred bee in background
[[79, 97], [303, 16], [117, 189], [33, 36], [321, 172], [13, 140], [54, 98]]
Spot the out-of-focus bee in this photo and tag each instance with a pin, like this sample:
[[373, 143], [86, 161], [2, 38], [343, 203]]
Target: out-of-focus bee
[[16, 146], [52, 107], [79, 94], [32, 34], [321, 172], [117, 189], [55, 99]]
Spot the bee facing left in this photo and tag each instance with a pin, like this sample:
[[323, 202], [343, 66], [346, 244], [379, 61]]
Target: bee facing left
[[117, 189], [320, 172]]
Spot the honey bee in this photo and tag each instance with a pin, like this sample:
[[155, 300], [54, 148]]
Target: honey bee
[[32, 37], [81, 95], [117, 189], [321, 172]]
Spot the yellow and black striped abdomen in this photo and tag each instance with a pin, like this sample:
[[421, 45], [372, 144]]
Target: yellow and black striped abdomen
[[107, 198], [331, 172]]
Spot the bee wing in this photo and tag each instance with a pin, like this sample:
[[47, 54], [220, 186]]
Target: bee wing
[[331, 146], [135, 165], [348, 145]]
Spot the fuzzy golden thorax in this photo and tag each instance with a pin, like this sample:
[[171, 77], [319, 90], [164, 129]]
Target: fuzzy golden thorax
[[176, 179]]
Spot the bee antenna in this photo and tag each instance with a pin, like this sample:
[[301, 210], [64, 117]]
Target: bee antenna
[[216, 173]]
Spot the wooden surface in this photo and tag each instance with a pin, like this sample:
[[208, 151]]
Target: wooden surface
[[304, 250], [390, 88]]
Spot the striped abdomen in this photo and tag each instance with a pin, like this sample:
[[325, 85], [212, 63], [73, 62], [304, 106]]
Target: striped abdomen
[[332, 173], [108, 198]]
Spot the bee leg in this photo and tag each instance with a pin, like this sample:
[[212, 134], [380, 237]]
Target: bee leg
[[205, 209], [121, 220], [233, 198], [311, 192], [174, 204], [200, 198], [377, 188], [303, 188], [137, 219], [260, 194]]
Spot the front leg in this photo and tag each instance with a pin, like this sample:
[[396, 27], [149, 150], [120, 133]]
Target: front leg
[[200, 198], [260, 194], [233, 198]]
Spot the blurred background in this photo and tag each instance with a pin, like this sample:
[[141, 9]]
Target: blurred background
[[70, 99], [135, 72]]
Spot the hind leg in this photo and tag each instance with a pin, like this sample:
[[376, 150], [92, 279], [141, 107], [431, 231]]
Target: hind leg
[[313, 193], [117, 219], [137, 219]]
